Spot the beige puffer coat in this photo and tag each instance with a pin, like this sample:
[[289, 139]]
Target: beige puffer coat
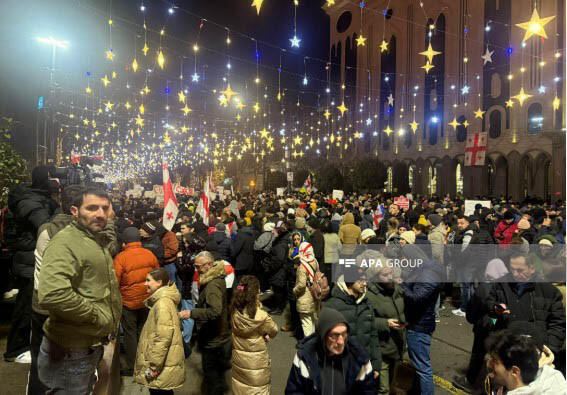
[[251, 372], [305, 302], [161, 345]]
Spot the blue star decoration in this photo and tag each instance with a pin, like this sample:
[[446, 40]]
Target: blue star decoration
[[195, 77], [295, 41], [465, 90]]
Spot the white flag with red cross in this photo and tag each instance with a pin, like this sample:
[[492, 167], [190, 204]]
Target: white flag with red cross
[[170, 209], [203, 206], [475, 151]]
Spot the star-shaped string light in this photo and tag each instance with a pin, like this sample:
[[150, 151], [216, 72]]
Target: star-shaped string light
[[342, 108], [487, 57], [257, 4], [240, 105], [427, 66], [466, 124], [88, 89], [430, 53], [413, 126], [390, 100], [228, 93], [135, 65], [479, 113], [295, 41], [465, 89], [86, 122], [327, 114], [186, 110], [535, 26], [556, 102], [330, 3], [181, 96], [127, 105], [139, 121], [145, 49], [297, 140], [108, 105], [510, 103], [105, 80], [195, 77], [110, 54], [142, 109], [454, 123], [383, 46], [264, 133], [388, 131], [521, 97], [360, 40], [160, 59], [256, 107]]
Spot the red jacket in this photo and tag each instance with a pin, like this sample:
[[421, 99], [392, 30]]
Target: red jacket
[[504, 232], [131, 267], [170, 247]]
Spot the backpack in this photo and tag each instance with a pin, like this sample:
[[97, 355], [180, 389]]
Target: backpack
[[318, 284]]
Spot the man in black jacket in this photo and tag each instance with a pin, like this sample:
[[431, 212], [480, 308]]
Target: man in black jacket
[[520, 301], [223, 242], [32, 206], [316, 239], [242, 250]]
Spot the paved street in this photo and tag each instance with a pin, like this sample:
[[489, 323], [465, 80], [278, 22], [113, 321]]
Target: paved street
[[449, 352]]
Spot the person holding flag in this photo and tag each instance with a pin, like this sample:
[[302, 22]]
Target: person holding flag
[[170, 211]]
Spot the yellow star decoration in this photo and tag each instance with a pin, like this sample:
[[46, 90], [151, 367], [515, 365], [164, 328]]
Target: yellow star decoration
[[454, 123], [114, 75], [556, 102], [297, 140], [181, 96], [535, 26], [327, 114], [113, 124], [183, 129], [105, 80], [135, 65], [222, 100], [160, 59], [257, 4], [521, 97], [108, 105], [240, 105], [86, 122], [228, 93], [388, 131], [383, 46], [142, 109], [238, 117], [140, 121], [264, 133], [127, 105], [77, 136], [166, 138], [88, 89], [330, 3], [109, 55], [510, 103], [186, 110], [342, 108], [360, 40], [413, 126], [99, 111], [427, 66], [93, 123], [145, 49], [256, 107], [430, 53], [479, 113], [466, 124], [146, 89]]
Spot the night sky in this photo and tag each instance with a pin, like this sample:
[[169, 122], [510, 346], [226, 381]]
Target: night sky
[[24, 67]]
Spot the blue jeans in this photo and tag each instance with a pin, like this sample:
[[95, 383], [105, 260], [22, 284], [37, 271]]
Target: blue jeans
[[187, 324], [173, 277], [419, 345], [68, 371], [467, 292]]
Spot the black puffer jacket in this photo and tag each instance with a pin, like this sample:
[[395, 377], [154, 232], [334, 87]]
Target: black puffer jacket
[[277, 262], [31, 207], [223, 244], [537, 309], [154, 244], [242, 249]]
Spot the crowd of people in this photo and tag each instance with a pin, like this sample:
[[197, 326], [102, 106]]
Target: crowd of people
[[91, 268]]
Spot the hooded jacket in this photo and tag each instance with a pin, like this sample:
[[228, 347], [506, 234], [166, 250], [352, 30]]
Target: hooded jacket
[[360, 317], [31, 207], [223, 244], [349, 233], [311, 362], [437, 238], [211, 312], [367, 222], [170, 247], [251, 371], [278, 261], [78, 287], [155, 245], [538, 259], [386, 304], [161, 346], [242, 249], [131, 267]]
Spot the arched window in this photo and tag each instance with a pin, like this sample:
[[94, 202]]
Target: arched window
[[343, 23], [459, 179], [495, 124], [432, 184], [411, 170], [495, 85], [389, 179], [535, 118]]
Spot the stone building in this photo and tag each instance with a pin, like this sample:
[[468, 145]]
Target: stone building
[[526, 143]]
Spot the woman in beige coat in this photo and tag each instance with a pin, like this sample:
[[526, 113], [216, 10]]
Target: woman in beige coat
[[252, 329], [160, 359], [307, 307]]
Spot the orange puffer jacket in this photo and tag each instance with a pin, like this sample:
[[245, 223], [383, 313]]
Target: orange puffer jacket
[[170, 247], [131, 267]]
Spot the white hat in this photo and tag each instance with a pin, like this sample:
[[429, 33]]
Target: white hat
[[367, 233], [290, 211]]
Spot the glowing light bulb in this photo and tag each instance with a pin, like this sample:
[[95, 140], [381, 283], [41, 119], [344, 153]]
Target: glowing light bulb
[[195, 47]]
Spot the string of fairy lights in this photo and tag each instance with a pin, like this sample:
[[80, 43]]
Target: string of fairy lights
[[253, 121]]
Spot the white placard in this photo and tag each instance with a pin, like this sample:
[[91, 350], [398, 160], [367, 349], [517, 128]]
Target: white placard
[[338, 194], [149, 194], [220, 190], [289, 176], [469, 205], [280, 191]]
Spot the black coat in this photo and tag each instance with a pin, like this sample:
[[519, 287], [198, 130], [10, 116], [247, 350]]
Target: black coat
[[318, 242], [31, 208], [277, 262], [423, 243], [223, 244], [242, 249], [154, 244], [539, 310]]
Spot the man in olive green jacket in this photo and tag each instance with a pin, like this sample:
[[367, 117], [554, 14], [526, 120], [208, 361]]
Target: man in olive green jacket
[[78, 288]]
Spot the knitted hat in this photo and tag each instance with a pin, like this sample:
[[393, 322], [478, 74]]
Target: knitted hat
[[523, 224], [434, 219], [220, 227], [300, 223], [269, 226], [249, 213], [149, 227], [422, 220], [367, 233], [545, 242], [328, 319], [130, 235], [408, 236], [290, 211]]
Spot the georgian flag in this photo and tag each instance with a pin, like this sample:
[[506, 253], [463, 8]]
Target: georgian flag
[[378, 216], [203, 206], [307, 184], [170, 208]]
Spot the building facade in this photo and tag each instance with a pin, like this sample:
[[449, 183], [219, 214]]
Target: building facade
[[525, 153]]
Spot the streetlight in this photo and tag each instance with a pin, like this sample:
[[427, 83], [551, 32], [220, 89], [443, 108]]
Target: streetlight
[[54, 43]]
